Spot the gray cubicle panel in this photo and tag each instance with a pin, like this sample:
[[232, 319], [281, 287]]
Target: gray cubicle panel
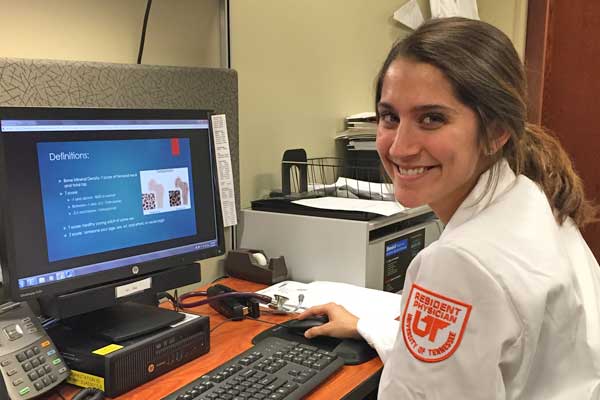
[[50, 83]]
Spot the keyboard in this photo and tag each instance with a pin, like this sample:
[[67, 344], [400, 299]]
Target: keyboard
[[272, 369]]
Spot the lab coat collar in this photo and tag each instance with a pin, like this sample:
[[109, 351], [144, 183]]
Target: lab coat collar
[[476, 201]]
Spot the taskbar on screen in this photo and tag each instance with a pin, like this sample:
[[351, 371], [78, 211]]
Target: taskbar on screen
[[51, 277]]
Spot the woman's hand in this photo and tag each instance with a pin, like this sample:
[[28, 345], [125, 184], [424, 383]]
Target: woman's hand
[[342, 324]]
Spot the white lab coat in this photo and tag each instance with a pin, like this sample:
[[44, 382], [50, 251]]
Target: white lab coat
[[523, 290]]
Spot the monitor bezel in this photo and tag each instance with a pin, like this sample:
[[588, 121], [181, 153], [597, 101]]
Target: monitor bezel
[[7, 246]]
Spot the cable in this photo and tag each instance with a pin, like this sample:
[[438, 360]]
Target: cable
[[172, 299], [253, 319], [143, 39], [219, 324], [228, 36], [219, 278], [266, 322], [259, 297]]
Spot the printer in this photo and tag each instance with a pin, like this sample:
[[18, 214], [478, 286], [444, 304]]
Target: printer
[[373, 253]]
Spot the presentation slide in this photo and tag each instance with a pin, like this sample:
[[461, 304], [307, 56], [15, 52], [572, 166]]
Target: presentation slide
[[107, 195]]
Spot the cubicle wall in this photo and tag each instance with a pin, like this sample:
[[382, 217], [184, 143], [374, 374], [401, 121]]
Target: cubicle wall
[[49, 83]]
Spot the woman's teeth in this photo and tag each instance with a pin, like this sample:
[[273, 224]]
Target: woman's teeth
[[412, 171]]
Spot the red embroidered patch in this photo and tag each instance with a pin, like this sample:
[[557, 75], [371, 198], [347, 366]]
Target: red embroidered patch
[[432, 324]]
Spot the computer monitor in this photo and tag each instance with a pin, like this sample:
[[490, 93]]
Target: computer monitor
[[105, 198]]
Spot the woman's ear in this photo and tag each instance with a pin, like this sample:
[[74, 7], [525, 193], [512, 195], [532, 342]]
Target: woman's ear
[[499, 139]]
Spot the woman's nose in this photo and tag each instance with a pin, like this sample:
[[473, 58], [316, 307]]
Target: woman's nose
[[405, 142]]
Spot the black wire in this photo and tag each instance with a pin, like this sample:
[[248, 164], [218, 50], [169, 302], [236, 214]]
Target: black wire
[[174, 300], [143, 39], [253, 319], [221, 323], [228, 37], [219, 278], [262, 320]]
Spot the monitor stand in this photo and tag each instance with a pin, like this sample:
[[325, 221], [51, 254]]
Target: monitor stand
[[98, 311], [124, 321]]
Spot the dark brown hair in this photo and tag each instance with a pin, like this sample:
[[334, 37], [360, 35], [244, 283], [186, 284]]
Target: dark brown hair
[[487, 76]]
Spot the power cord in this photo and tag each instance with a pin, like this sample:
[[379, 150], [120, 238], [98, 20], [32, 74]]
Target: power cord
[[220, 323], [219, 278], [254, 319], [265, 321], [145, 24]]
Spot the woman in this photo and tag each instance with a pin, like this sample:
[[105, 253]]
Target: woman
[[506, 304]]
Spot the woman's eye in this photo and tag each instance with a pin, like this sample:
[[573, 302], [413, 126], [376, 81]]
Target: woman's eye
[[432, 121], [388, 118]]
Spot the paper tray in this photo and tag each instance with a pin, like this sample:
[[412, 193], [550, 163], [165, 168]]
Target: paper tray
[[285, 205]]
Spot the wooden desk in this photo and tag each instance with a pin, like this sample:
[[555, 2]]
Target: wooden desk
[[232, 338]]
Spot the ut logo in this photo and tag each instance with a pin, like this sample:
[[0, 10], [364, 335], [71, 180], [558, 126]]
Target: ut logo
[[432, 325]]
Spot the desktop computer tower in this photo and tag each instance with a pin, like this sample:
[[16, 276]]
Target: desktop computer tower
[[373, 253], [116, 368]]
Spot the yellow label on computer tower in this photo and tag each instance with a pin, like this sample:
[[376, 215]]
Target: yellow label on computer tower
[[107, 349], [84, 380]]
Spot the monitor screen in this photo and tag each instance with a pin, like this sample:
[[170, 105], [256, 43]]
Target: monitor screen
[[91, 196]]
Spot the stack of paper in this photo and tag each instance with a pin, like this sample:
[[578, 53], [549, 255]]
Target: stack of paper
[[360, 301], [359, 132], [355, 189]]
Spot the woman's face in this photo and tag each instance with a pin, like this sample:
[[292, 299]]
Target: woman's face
[[426, 138]]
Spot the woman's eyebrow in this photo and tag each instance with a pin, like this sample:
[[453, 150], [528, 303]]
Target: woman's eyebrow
[[384, 106], [433, 107]]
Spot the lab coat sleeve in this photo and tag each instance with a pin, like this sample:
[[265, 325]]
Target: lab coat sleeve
[[380, 334], [485, 347]]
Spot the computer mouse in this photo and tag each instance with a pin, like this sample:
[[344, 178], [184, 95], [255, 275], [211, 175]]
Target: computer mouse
[[298, 326]]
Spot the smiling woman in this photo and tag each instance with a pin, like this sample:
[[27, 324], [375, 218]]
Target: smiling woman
[[506, 304], [426, 138]]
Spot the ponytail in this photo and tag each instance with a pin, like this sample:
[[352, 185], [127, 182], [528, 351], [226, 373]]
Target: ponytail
[[541, 158]]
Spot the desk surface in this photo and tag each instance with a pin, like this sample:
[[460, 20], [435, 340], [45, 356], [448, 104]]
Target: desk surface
[[227, 341]]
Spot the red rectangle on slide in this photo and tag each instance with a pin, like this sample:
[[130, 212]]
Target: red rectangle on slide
[[175, 146]]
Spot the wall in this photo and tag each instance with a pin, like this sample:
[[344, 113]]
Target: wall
[[110, 31], [304, 65], [181, 32], [508, 15]]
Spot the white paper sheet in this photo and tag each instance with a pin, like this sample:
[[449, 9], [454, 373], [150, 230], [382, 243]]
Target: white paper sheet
[[224, 171], [362, 189], [360, 301], [454, 8], [410, 14], [380, 207]]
